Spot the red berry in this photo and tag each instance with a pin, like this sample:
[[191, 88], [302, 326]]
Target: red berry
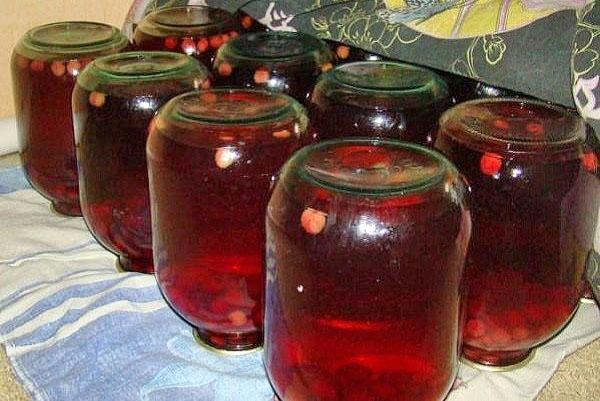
[[37, 65], [247, 22], [536, 129], [262, 76], [203, 45], [188, 46], [283, 134], [215, 41], [501, 124], [171, 43], [491, 163], [225, 69], [590, 162], [73, 67], [58, 68], [343, 52], [313, 221], [97, 99]]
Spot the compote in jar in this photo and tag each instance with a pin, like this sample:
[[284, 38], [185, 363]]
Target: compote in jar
[[212, 159], [366, 240], [534, 177], [378, 98], [287, 62], [197, 31], [115, 99], [45, 64]]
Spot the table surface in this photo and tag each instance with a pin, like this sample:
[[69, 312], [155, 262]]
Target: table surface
[[576, 379]]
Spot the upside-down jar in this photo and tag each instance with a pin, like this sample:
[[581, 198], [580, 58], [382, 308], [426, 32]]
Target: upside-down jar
[[533, 172], [378, 98], [45, 65], [114, 101], [197, 31], [212, 158], [287, 62], [366, 240]]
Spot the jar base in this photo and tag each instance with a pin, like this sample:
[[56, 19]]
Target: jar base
[[127, 265], [502, 361], [66, 209], [229, 343]]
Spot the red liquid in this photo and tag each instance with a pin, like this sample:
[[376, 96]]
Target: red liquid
[[42, 91], [113, 173], [209, 193], [533, 224], [363, 294]]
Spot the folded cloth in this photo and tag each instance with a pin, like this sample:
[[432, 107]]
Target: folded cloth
[[75, 329], [8, 136]]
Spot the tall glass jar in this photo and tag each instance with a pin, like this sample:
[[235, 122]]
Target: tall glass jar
[[114, 100], [287, 62], [366, 241], [378, 98], [212, 158], [532, 171], [45, 64], [197, 31]]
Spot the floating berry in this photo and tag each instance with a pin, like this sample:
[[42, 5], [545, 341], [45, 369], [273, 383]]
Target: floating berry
[[491, 164], [501, 124], [188, 46], [313, 221], [238, 318], [215, 41], [475, 328], [203, 45], [225, 69], [58, 68], [37, 65], [247, 22], [326, 67], [73, 67], [97, 99], [282, 134], [233, 34], [262, 76], [225, 157], [22, 62], [343, 52], [590, 162], [206, 84], [171, 43], [225, 37]]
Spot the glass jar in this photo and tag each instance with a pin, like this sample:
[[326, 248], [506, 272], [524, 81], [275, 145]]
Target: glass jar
[[114, 100], [45, 64], [212, 158], [535, 199], [197, 31], [378, 98], [287, 62], [366, 240]]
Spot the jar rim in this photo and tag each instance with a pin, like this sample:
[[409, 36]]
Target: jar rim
[[73, 37], [421, 183], [339, 74], [565, 133], [144, 66], [276, 106], [300, 47], [158, 19]]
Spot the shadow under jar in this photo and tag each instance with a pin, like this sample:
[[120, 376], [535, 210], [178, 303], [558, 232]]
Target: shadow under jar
[[45, 64], [114, 100], [212, 158], [366, 241], [287, 62], [378, 98], [197, 31], [535, 199]]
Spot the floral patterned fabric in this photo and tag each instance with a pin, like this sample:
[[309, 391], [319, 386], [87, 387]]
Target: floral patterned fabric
[[545, 48]]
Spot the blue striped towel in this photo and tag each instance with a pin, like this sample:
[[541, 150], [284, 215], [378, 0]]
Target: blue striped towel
[[75, 329]]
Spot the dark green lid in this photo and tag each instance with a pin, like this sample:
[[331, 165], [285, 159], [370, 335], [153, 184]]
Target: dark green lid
[[401, 84], [188, 20], [275, 47], [137, 67], [371, 167], [70, 40]]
